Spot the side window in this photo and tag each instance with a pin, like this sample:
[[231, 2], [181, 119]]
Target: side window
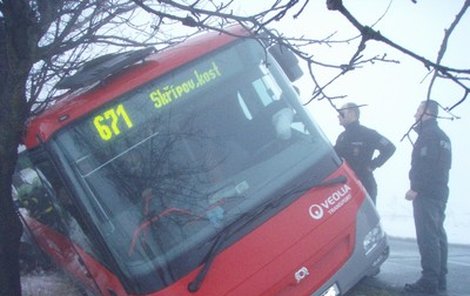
[[32, 196], [258, 94], [264, 93], [41, 193], [267, 88]]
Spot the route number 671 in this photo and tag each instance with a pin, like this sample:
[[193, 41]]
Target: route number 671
[[109, 123]]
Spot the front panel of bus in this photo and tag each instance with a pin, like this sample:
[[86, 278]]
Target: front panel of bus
[[208, 181]]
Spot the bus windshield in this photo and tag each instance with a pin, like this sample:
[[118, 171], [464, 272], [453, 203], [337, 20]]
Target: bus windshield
[[163, 169]]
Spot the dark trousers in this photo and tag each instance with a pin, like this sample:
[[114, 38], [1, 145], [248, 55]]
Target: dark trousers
[[429, 216], [370, 185]]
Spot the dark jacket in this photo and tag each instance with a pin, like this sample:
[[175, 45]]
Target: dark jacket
[[431, 161], [357, 145]]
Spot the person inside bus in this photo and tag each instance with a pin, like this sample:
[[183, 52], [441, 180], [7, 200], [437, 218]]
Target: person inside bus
[[271, 130], [357, 144], [282, 121], [32, 197]]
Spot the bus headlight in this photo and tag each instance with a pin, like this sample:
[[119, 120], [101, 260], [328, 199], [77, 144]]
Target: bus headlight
[[372, 239]]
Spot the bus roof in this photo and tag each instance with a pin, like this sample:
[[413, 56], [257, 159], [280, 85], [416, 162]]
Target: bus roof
[[78, 103]]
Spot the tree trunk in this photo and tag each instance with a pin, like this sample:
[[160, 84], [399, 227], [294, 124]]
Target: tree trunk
[[13, 113], [12, 118], [18, 45], [10, 233]]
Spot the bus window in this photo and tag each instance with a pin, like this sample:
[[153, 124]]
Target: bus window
[[266, 87], [33, 197], [47, 200]]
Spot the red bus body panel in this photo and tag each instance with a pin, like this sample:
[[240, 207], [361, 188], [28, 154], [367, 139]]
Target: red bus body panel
[[262, 263], [265, 261], [81, 266]]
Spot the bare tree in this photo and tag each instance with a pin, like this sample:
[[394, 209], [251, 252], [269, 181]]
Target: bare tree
[[216, 16], [458, 76]]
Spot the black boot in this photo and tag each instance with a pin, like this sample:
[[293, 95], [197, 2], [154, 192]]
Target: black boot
[[422, 286]]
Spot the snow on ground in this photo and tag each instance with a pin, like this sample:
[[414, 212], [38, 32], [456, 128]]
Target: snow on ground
[[397, 217], [50, 283], [402, 226]]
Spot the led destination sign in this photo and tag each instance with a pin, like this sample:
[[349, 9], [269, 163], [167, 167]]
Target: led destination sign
[[116, 120], [165, 95]]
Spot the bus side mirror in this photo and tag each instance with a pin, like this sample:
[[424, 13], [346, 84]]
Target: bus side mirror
[[287, 60]]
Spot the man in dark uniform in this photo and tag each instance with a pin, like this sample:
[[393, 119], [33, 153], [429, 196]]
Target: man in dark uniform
[[429, 176], [357, 145]]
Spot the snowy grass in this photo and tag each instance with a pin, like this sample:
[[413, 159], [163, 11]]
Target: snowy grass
[[47, 283]]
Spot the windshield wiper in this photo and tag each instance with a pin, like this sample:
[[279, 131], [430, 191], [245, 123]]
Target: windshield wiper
[[341, 179], [196, 283], [209, 259]]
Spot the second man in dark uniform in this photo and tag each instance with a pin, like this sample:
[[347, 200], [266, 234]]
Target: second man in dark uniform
[[357, 145]]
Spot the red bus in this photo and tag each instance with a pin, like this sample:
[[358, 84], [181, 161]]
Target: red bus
[[195, 171]]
